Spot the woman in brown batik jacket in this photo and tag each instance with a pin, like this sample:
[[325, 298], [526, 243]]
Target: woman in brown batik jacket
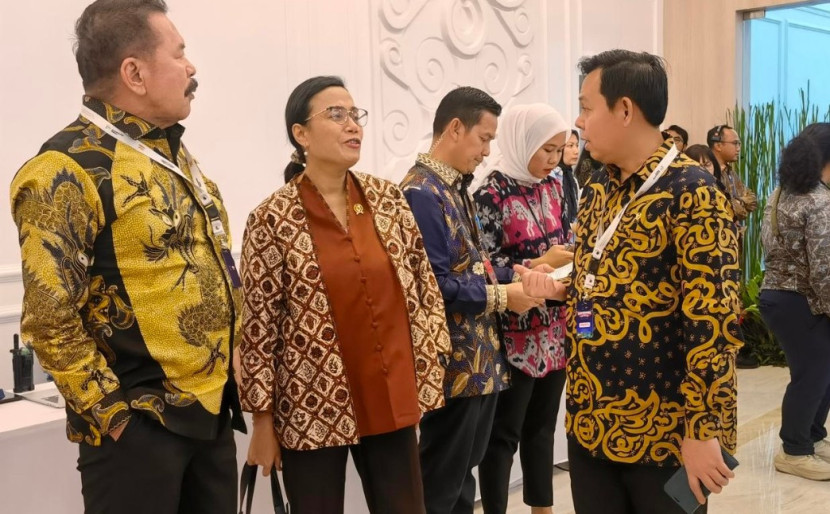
[[343, 321]]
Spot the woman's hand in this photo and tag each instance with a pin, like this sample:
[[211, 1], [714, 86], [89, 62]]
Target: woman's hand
[[264, 449], [556, 257], [518, 301], [537, 283]]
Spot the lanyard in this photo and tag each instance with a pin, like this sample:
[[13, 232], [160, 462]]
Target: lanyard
[[605, 238], [197, 179], [542, 228]]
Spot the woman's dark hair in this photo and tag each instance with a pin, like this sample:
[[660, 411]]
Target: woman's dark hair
[[297, 110], [698, 152], [108, 32], [804, 159], [639, 76], [570, 187]]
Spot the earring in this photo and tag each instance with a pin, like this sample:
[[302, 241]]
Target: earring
[[305, 157]]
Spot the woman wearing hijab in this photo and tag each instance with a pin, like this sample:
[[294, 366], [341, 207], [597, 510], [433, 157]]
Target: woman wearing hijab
[[520, 210]]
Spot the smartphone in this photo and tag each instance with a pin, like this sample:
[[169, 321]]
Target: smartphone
[[678, 486]]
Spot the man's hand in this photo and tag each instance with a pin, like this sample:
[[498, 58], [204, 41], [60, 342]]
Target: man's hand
[[704, 464], [739, 209], [750, 201], [518, 301], [264, 449], [237, 366], [537, 283]]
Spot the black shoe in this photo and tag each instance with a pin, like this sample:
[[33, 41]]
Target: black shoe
[[746, 361]]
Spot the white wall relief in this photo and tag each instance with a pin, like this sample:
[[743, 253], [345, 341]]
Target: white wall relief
[[428, 48]]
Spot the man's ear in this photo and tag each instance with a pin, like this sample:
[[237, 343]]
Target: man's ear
[[455, 129], [626, 107], [131, 74]]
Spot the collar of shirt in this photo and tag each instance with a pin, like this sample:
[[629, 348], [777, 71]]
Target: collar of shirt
[[448, 174], [646, 168], [134, 126]]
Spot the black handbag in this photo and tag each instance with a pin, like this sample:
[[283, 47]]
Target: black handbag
[[247, 481]]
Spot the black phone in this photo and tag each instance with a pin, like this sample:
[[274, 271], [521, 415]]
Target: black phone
[[678, 486]]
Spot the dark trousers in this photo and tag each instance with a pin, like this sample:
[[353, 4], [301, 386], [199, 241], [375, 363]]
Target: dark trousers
[[150, 469], [805, 339], [600, 486], [525, 419], [388, 465], [453, 441]]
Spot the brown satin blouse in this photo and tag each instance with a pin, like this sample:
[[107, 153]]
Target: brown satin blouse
[[369, 312]]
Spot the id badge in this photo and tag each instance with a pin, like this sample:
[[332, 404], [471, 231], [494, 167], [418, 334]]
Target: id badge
[[231, 266], [585, 319]]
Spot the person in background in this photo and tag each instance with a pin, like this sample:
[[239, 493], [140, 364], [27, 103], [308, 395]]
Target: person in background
[[649, 387], [726, 145], [343, 325], [706, 158], [130, 291], [564, 172], [454, 438], [704, 155], [520, 206], [679, 135], [795, 298]]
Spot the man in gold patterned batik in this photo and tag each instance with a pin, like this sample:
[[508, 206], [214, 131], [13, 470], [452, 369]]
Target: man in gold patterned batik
[[653, 328], [130, 291]]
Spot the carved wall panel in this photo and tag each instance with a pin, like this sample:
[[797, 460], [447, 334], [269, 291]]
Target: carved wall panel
[[429, 47]]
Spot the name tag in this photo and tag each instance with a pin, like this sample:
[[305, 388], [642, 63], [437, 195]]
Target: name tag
[[585, 319]]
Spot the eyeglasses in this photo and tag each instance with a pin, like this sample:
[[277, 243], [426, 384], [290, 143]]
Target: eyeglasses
[[340, 115], [736, 142]]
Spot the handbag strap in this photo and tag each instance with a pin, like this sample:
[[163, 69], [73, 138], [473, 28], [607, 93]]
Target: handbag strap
[[247, 483]]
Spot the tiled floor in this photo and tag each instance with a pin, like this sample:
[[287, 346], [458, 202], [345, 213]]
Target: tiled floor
[[757, 487]]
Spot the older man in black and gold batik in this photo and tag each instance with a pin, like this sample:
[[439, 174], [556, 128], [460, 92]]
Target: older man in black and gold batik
[[130, 290]]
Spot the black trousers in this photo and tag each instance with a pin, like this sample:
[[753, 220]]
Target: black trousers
[[600, 486], [805, 339], [150, 469], [315, 480], [525, 419], [453, 441]]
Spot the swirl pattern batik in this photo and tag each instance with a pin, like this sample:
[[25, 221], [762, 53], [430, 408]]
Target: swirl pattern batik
[[660, 366]]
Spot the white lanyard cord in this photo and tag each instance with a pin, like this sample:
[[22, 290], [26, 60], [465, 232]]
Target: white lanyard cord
[[197, 179], [605, 238]]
